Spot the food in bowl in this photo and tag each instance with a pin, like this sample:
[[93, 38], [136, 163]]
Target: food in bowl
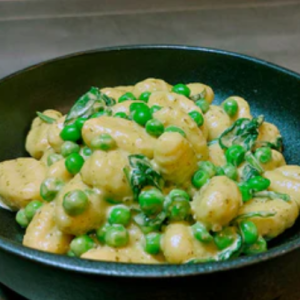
[[152, 173]]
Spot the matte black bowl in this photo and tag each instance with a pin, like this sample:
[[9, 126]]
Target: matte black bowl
[[270, 90]]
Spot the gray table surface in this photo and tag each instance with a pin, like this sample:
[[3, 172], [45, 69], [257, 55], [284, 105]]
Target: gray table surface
[[35, 30]]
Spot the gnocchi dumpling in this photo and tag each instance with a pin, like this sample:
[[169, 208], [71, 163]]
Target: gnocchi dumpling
[[176, 101], [43, 233], [285, 215], [175, 158], [128, 136], [217, 203], [90, 219], [217, 121], [20, 181], [194, 135], [179, 245], [37, 138], [150, 85], [285, 179], [104, 170]]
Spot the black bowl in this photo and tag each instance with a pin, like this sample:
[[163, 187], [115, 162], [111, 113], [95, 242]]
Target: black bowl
[[270, 90]]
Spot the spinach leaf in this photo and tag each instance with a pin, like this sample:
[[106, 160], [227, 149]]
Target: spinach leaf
[[212, 142], [108, 100], [253, 162], [272, 195], [45, 118], [148, 224], [88, 104], [201, 260], [242, 132], [249, 172], [199, 96], [225, 254], [231, 250], [277, 145], [254, 214], [252, 167], [141, 173]]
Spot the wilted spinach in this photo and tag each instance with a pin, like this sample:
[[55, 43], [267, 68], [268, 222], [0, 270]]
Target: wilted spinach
[[277, 145], [140, 173], [88, 104], [272, 195], [149, 224], [227, 253], [45, 118], [198, 96], [252, 167], [254, 214], [243, 132]]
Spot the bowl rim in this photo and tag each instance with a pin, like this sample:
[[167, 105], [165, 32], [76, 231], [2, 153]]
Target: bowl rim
[[146, 270]]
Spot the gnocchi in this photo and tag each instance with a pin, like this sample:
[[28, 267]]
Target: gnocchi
[[152, 173]]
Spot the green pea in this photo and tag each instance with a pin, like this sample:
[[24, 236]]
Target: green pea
[[230, 171], [235, 155], [141, 115], [224, 238], [74, 163], [50, 187], [86, 151], [201, 234], [258, 247], [145, 96], [179, 193], [81, 244], [31, 209], [154, 127], [230, 106], [137, 105], [80, 122], [21, 218], [70, 133], [154, 109], [126, 96], [197, 117], [75, 202], [116, 236], [121, 115], [208, 167], [175, 129], [69, 147], [177, 206], [151, 201], [103, 142], [119, 214], [203, 105], [220, 171], [152, 243], [245, 191], [53, 158], [263, 154], [259, 183], [200, 178], [249, 232], [181, 89], [101, 232], [70, 253]]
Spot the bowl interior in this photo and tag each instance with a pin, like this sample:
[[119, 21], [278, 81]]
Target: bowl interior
[[270, 90]]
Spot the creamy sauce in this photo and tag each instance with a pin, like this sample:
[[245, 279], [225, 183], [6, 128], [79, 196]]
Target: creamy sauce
[[195, 201]]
